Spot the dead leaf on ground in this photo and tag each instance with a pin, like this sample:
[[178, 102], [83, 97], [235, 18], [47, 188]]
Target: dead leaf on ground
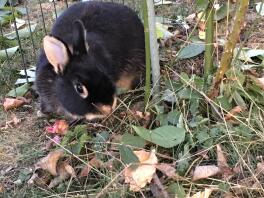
[[169, 171], [205, 194], [226, 171], [92, 163], [12, 103], [49, 162], [230, 115], [59, 127], [260, 82], [203, 172], [157, 188], [12, 123], [221, 158], [2, 188], [260, 168], [141, 175], [65, 171]]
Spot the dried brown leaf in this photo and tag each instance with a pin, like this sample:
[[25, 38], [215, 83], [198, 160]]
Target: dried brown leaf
[[205, 194], [65, 171], [221, 158], [12, 103], [168, 170], [203, 172], [230, 115], [49, 162], [141, 175]]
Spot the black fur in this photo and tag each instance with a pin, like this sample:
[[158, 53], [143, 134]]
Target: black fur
[[115, 36]]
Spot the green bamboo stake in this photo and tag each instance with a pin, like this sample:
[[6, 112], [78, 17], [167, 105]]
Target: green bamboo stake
[[147, 49], [209, 39]]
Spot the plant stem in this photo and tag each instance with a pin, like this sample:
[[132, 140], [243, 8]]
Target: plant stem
[[227, 56], [209, 39], [147, 51]]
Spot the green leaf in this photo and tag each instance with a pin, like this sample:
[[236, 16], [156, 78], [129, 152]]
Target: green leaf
[[191, 50], [222, 12], [99, 143], [176, 190], [224, 103], [76, 148], [162, 31], [169, 96], [19, 91], [173, 117], [201, 5], [23, 33], [165, 136], [239, 100], [127, 155], [188, 93], [79, 130], [10, 52], [131, 140]]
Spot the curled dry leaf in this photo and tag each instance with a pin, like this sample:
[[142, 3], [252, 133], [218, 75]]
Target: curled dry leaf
[[59, 127], [203, 172], [12, 103], [92, 163], [49, 162], [2, 188], [260, 82], [226, 171], [141, 175], [230, 115], [260, 168], [205, 194], [65, 171], [221, 158], [168, 170]]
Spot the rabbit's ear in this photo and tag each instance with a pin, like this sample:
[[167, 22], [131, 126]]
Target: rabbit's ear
[[56, 53], [80, 45]]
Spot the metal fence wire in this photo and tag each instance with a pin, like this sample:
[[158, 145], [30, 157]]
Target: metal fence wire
[[23, 24]]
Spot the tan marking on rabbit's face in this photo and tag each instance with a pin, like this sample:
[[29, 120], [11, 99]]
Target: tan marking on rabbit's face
[[125, 81], [104, 109]]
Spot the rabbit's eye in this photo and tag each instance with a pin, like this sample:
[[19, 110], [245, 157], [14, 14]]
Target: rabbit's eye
[[81, 90]]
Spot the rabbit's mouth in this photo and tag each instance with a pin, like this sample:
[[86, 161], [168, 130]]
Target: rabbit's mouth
[[105, 110]]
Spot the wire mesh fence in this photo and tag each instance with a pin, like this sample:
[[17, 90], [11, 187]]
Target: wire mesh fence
[[23, 24]]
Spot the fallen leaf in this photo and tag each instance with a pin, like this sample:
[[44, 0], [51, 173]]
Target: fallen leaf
[[205, 194], [221, 158], [157, 188], [2, 188], [11, 103], [168, 170], [64, 172], [141, 175], [59, 127], [226, 171], [260, 168], [260, 82], [49, 162], [94, 162], [230, 115], [203, 172]]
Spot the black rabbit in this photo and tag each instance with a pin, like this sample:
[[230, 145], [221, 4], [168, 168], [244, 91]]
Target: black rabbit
[[94, 47]]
